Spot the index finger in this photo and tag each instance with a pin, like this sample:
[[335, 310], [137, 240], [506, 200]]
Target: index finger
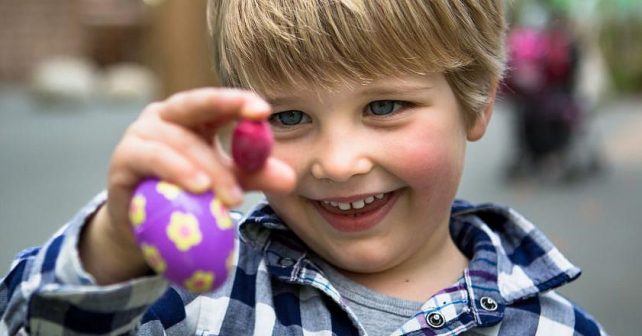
[[213, 106]]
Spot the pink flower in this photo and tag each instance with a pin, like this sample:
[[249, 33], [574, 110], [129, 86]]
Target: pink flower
[[168, 190], [137, 210], [183, 230], [153, 258], [199, 282], [223, 220]]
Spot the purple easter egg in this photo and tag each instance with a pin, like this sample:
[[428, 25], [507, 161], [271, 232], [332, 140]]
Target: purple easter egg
[[188, 238]]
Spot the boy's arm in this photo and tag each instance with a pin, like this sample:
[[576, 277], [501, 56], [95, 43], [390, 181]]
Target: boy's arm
[[172, 140], [49, 292], [108, 255]]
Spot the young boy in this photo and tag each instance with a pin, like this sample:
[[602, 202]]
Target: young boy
[[371, 104]]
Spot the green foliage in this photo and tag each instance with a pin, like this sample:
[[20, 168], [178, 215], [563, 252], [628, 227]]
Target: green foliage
[[622, 48]]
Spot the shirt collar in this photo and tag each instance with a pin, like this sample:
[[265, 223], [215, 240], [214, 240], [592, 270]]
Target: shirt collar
[[510, 258], [518, 257]]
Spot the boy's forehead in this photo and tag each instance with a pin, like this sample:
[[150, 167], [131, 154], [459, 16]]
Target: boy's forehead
[[400, 84]]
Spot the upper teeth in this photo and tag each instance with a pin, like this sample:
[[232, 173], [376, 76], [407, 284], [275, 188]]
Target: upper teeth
[[356, 204]]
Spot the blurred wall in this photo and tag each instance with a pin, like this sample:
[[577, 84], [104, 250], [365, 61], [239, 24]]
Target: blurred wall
[[31, 30], [179, 47], [169, 36]]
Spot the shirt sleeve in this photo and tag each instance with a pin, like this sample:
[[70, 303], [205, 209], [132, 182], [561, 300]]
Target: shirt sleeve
[[47, 291]]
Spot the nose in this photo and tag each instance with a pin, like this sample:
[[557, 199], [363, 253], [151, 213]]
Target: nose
[[341, 157]]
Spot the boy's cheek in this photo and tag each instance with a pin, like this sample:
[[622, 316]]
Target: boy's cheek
[[429, 163], [434, 178], [293, 156]]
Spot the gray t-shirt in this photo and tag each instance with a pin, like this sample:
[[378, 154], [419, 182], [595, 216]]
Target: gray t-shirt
[[379, 314]]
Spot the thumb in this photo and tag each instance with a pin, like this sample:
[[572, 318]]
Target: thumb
[[274, 176]]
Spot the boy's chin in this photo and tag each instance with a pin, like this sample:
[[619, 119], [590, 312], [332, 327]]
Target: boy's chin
[[362, 262]]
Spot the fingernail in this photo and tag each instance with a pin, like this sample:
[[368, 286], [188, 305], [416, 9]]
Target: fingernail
[[257, 108], [200, 183], [232, 196]]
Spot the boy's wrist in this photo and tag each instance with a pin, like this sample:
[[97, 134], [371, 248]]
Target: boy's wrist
[[108, 252]]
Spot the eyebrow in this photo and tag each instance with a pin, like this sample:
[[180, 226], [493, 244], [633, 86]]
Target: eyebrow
[[398, 90], [285, 100], [395, 90]]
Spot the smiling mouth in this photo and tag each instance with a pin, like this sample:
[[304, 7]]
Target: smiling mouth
[[357, 215], [355, 208]]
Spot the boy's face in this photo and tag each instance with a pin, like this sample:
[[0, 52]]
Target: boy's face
[[377, 166]]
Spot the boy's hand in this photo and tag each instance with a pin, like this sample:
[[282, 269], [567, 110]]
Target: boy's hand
[[174, 140]]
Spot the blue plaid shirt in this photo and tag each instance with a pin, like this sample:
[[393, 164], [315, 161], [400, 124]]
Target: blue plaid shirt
[[277, 289]]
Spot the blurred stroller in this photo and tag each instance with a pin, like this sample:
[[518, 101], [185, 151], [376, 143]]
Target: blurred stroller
[[549, 119]]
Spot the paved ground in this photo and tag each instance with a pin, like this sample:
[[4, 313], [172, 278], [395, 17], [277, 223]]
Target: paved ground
[[53, 158]]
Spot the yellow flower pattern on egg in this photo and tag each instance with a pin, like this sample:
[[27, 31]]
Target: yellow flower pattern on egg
[[154, 258], [199, 282], [219, 212], [183, 230], [137, 210], [168, 190]]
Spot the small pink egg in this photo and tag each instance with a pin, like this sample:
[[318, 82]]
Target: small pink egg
[[251, 144]]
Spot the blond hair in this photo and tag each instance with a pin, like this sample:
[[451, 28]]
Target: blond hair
[[266, 44]]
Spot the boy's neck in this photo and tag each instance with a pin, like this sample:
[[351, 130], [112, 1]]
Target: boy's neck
[[421, 276]]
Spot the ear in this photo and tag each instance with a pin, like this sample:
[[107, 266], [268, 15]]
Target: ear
[[477, 130]]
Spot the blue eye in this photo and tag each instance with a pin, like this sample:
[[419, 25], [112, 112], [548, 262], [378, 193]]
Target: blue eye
[[384, 107], [288, 118]]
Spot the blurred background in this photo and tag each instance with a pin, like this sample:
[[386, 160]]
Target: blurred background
[[564, 148]]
